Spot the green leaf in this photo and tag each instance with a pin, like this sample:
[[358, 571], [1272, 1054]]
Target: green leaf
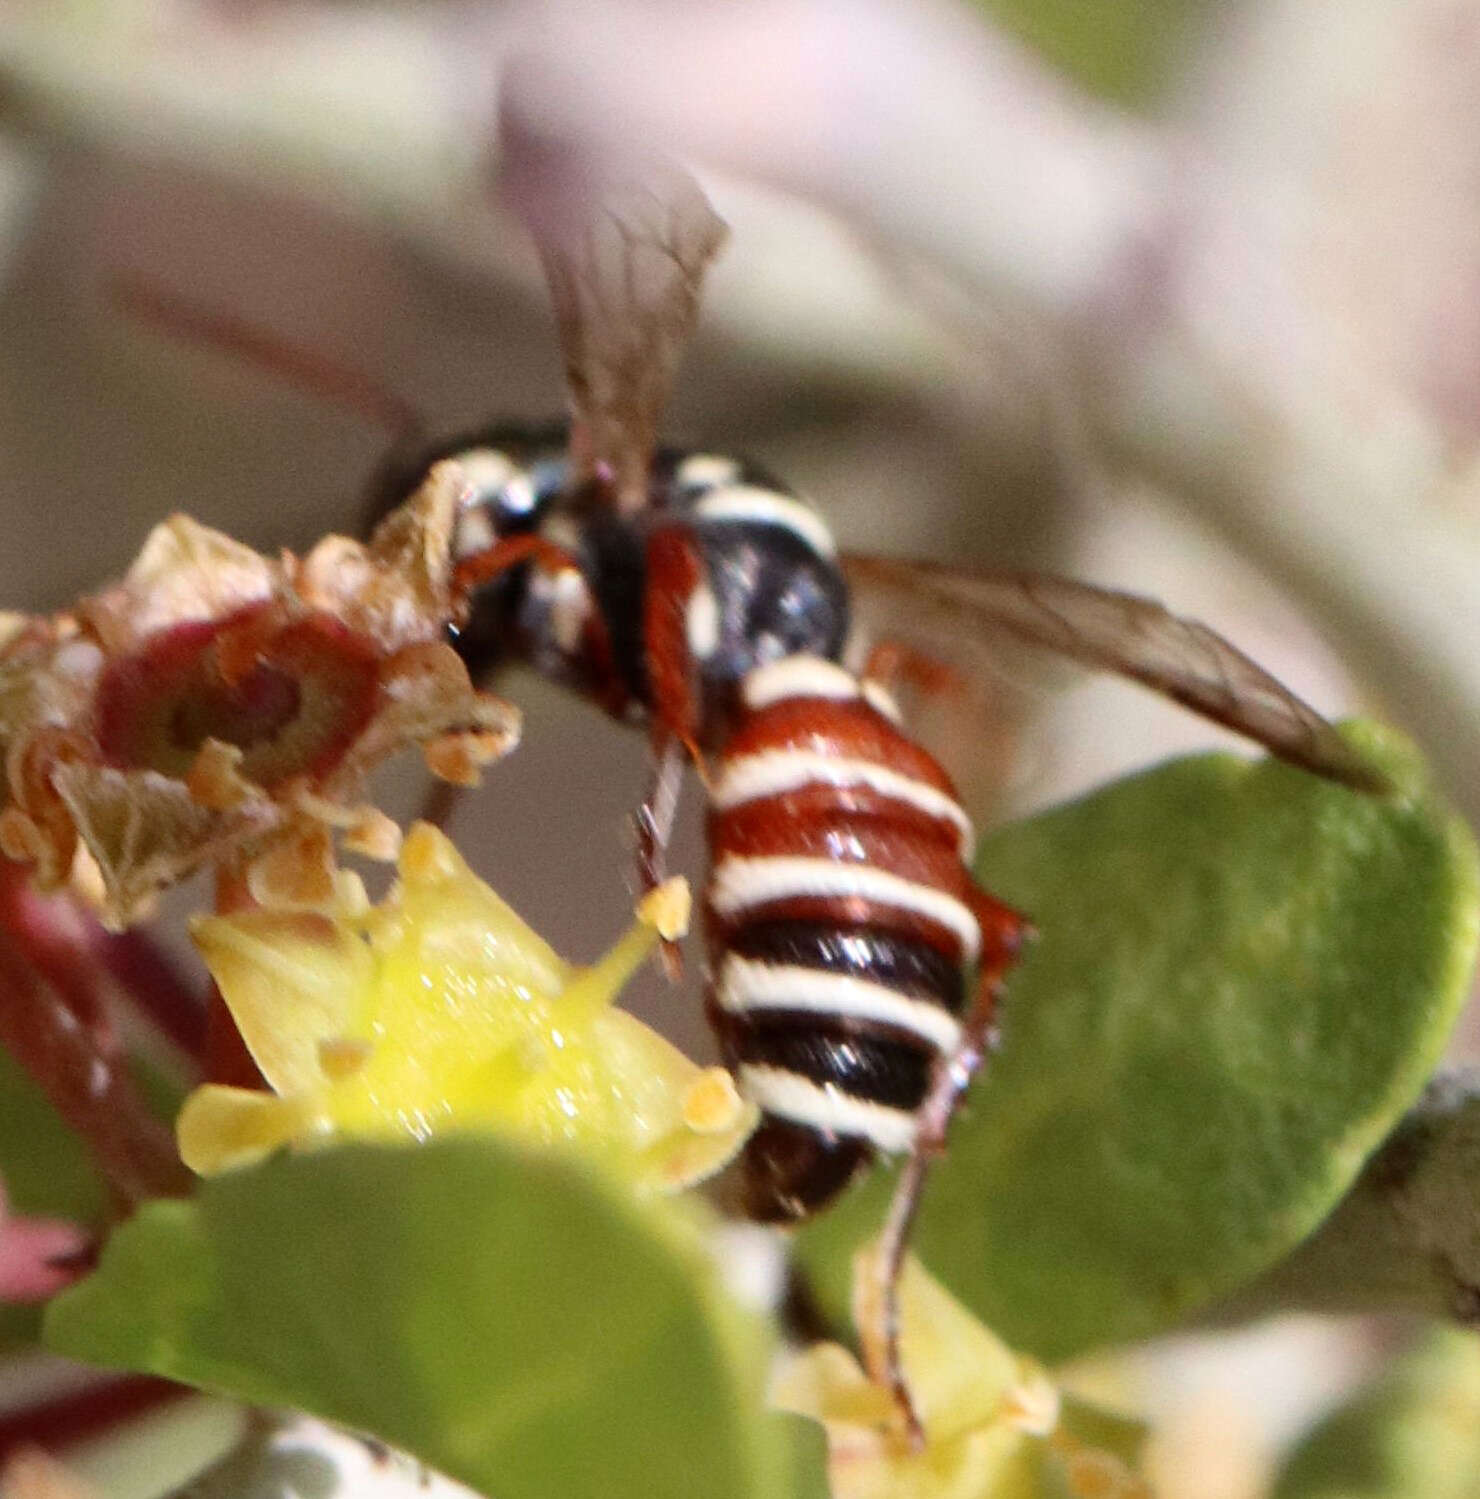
[[45, 1165], [1415, 1431], [1131, 51], [1243, 976], [502, 1314], [1406, 1237], [1108, 1430], [808, 1450], [46, 1171]]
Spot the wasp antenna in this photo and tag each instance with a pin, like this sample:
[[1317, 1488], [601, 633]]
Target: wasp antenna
[[309, 370]]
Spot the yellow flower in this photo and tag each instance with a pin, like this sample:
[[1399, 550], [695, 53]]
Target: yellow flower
[[441, 1010], [992, 1417]]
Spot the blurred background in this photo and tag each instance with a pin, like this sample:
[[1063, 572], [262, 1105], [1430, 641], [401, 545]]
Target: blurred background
[[1178, 298]]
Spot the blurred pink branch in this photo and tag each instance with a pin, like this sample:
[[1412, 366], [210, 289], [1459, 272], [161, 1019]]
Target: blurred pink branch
[[38, 1256], [146, 976], [914, 121], [54, 1023]]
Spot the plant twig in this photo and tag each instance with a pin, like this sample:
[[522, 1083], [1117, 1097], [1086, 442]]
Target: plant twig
[[1407, 1235], [156, 986], [53, 1022]]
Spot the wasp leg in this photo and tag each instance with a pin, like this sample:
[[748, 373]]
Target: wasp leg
[[589, 638], [1003, 934], [482, 567], [892, 663], [659, 811], [472, 572], [675, 579]]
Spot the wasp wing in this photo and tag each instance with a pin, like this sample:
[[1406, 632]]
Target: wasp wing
[[624, 242], [1128, 635]]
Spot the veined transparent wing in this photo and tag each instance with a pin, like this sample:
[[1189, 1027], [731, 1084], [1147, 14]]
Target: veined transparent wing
[[624, 242], [1121, 633]]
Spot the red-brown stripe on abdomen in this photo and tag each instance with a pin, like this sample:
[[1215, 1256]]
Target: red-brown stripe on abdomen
[[914, 848], [846, 730]]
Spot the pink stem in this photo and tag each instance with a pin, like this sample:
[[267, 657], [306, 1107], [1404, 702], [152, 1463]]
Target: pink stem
[[71, 950], [53, 1022], [64, 1419], [155, 986]]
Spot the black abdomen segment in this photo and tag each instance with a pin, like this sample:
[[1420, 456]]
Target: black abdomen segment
[[774, 597], [792, 1172], [833, 1089], [867, 1064], [908, 965]]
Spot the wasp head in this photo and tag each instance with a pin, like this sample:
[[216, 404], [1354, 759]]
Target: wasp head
[[510, 476]]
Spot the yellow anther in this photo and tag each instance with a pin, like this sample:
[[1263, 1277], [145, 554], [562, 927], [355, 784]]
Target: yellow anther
[[215, 779], [667, 908], [373, 834], [1033, 1405], [297, 872], [712, 1103], [351, 899], [87, 880], [343, 1056], [20, 838], [427, 856], [1100, 1475], [459, 758]]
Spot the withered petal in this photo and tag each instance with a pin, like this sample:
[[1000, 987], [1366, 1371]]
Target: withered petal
[[145, 831], [425, 694], [186, 571], [398, 590]]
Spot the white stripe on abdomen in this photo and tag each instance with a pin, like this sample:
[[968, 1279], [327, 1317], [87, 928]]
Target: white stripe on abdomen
[[750, 503], [745, 985], [775, 772], [738, 884], [790, 1096], [798, 676]]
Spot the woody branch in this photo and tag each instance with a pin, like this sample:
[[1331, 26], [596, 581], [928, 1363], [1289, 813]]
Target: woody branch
[[55, 1022], [1406, 1237]]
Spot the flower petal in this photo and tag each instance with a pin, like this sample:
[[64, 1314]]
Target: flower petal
[[990, 1417], [826, 1383], [146, 832], [185, 571], [221, 1128], [291, 981], [441, 1010]]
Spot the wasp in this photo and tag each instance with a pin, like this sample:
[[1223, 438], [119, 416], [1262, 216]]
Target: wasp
[[854, 964]]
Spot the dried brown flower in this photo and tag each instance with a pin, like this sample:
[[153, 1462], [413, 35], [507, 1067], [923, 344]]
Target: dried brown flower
[[219, 707]]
